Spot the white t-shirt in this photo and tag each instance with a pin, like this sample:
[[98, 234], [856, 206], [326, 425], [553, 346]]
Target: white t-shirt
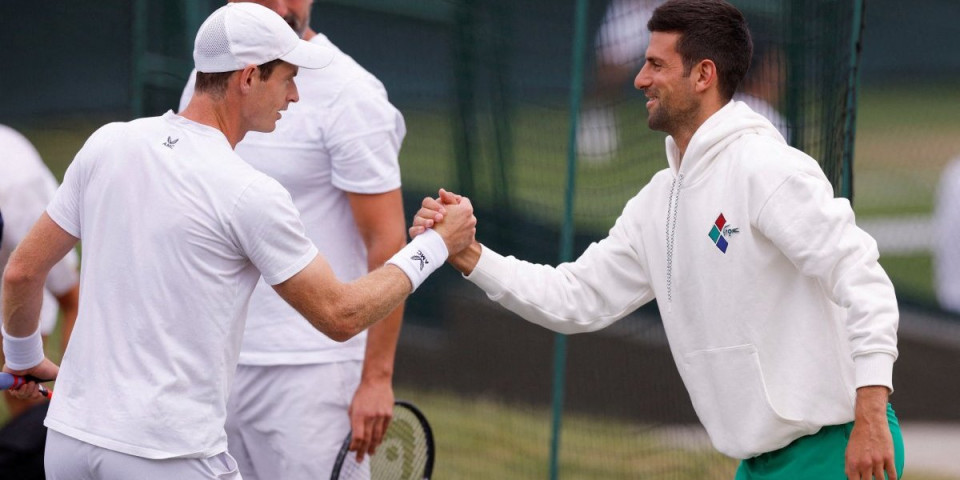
[[26, 187], [176, 231], [342, 136], [946, 250]]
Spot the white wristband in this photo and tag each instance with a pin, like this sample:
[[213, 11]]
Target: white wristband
[[22, 352], [421, 257]]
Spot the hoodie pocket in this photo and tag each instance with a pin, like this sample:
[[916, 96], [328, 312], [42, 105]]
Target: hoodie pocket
[[730, 397]]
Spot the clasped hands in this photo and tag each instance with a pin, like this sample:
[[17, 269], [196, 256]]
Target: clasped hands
[[451, 216]]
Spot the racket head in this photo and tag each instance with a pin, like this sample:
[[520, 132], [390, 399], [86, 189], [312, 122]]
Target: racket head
[[406, 453]]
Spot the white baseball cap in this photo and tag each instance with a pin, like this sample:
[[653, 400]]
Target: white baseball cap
[[241, 34]]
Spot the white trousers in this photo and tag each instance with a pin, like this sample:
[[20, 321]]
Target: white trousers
[[288, 421], [67, 458]]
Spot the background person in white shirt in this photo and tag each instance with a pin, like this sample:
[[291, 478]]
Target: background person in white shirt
[[946, 251], [26, 187], [782, 323], [177, 230], [298, 393]]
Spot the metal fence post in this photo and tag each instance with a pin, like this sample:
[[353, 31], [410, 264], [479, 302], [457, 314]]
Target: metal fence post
[[566, 237]]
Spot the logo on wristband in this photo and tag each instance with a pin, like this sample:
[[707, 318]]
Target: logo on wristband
[[420, 257]]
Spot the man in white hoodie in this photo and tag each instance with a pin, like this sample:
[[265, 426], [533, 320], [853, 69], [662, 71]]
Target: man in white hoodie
[[779, 317]]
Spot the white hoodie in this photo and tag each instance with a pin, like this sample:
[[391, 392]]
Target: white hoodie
[[772, 299]]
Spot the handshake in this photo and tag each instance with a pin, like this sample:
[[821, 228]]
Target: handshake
[[451, 216]]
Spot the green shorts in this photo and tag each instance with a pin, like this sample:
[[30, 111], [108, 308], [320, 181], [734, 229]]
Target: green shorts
[[819, 456]]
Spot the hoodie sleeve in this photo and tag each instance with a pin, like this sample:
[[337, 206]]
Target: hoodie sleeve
[[606, 283], [817, 233]]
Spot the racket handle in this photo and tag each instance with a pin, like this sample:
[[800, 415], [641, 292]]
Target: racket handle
[[9, 380]]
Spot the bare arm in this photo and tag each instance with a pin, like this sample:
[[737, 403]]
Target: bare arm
[[342, 310], [23, 283], [380, 220], [69, 303], [23, 279]]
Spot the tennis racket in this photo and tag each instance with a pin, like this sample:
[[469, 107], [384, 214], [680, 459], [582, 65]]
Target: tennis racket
[[9, 380], [406, 452]]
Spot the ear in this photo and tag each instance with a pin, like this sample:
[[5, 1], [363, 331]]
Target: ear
[[247, 76], [705, 75]]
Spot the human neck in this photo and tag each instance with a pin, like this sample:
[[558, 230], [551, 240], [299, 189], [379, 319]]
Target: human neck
[[218, 114], [685, 133]]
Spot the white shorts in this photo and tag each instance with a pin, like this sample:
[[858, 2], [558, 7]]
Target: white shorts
[[288, 421], [67, 458]]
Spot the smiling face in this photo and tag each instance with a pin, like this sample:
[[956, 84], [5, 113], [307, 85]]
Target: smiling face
[[672, 104], [271, 96]]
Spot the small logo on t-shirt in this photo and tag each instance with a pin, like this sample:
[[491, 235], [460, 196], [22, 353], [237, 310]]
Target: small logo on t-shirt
[[720, 232], [170, 142], [421, 258]]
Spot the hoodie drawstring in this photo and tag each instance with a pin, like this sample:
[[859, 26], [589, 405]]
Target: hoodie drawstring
[[672, 208]]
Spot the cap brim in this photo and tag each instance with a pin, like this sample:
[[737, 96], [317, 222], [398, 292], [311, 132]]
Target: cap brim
[[309, 55]]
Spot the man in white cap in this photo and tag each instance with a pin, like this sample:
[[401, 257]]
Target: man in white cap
[[337, 152], [176, 231]]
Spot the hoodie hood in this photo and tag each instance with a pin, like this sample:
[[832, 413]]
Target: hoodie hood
[[729, 123]]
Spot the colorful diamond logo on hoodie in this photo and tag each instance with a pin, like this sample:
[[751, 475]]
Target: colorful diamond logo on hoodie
[[716, 233]]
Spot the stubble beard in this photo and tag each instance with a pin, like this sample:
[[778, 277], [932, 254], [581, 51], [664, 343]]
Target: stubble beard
[[671, 120]]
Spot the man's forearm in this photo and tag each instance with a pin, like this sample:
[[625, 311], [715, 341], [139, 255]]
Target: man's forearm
[[382, 336], [69, 307], [871, 403], [382, 347], [26, 272], [22, 300]]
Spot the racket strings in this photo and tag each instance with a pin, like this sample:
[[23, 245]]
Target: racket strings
[[401, 456]]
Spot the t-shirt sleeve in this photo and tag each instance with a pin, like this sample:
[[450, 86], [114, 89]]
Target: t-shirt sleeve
[[268, 230], [363, 139], [66, 208]]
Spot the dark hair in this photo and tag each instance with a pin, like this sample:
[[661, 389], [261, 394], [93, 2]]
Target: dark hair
[[215, 84], [709, 29]]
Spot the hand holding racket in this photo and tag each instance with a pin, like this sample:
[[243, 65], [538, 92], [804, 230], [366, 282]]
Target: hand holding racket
[[10, 381], [406, 452]]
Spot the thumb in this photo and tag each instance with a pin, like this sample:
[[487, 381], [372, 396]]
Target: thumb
[[449, 198]]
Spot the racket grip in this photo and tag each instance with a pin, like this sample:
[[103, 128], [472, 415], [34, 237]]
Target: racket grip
[[9, 380]]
